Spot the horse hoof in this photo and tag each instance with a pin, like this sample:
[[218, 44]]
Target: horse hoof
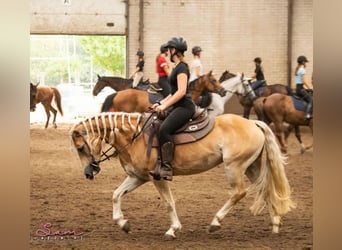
[[169, 237], [214, 228], [126, 227]]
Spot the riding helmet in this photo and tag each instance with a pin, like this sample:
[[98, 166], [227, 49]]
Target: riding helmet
[[257, 60], [302, 59], [196, 50], [163, 48], [140, 53], [178, 43]]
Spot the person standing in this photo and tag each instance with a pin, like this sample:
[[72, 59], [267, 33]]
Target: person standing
[[302, 85], [138, 74], [182, 106], [163, 70], [258, 75], [196, 68]]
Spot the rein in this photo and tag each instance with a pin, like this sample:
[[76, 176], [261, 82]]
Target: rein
[[118, 151]]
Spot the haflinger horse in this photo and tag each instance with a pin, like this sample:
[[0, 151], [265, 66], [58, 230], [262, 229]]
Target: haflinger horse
[[267, 90], [116, 83], [44, 95], [132, 100], [243, 146], [279, 108]]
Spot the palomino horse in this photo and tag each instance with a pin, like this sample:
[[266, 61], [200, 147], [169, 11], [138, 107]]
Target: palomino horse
[[267, 90], [279, 108], [45, 94], [132, 100], [238, 143], [116, 83]]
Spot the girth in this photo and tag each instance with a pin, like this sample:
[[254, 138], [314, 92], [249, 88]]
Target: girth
[[195, 129]]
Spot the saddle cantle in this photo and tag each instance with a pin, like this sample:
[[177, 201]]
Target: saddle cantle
[[196, 128]]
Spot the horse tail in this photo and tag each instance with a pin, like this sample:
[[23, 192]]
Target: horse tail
[[272, 184], [108, 103], [58, 100]]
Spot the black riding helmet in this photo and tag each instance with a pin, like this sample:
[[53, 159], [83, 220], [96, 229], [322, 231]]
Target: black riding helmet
[[178, 43], [257, 60], [163, 48], [196, 50], [140, 53], [302, 59]]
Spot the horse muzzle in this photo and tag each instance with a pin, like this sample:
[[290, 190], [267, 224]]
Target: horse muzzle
[[91, 170], [222, 92]]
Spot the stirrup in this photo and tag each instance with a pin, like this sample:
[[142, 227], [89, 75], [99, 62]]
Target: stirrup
[[308, 116]]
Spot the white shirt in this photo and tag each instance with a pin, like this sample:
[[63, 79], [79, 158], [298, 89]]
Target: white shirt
[[195, 63]]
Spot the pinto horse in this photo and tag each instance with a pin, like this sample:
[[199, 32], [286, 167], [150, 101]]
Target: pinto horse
[[267, 90], [116, 83], [279, 108], [243, 146], [235, 84], [132, 100], [44, 95]]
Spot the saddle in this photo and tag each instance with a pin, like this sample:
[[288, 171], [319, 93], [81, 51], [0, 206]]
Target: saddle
[[195, 129], [299, 103]]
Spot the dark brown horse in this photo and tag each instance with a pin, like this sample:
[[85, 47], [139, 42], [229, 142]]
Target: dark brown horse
[[44, 95], [133, 100], [279, 108], [267, 90], [116, 83]]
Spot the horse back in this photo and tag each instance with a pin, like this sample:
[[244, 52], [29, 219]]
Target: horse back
[[131, 100]]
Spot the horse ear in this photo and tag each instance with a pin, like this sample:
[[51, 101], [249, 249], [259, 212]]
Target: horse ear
[[210, 72], [98, 76]]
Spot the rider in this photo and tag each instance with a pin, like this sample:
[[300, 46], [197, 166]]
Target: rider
[[138, 74], [196, 69], [163, 70], [182, 107], [258, 75], [302, 84]]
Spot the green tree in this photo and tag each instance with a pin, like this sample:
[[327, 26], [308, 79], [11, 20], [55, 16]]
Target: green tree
[[107, 52]]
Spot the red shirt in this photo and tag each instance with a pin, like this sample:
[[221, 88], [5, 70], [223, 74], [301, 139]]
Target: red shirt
[[161, 62]]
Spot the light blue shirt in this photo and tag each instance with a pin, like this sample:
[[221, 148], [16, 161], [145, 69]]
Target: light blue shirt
[[301, 71]]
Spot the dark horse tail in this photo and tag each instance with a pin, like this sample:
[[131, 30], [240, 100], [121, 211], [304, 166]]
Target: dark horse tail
[[58, 99], [108, 103]]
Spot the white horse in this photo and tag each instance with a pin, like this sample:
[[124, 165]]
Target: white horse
[[235, 85], [245, 147]]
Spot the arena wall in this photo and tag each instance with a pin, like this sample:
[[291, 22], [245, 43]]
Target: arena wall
[[231, 33]]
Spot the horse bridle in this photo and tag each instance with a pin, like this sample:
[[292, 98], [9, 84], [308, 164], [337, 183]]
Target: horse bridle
[[104, 156]]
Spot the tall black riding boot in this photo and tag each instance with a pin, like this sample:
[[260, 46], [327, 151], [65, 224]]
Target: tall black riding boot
[[167, 152], [308, 111]]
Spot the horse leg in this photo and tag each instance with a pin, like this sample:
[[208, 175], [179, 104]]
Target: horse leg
[[54, 111], [246, 111], [288, 131], [128, 185], [165, 192], [47, 111], [235, 179], [279, 132]]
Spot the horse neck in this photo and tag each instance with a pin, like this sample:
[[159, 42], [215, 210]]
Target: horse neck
[[115, 128], [230, 85]]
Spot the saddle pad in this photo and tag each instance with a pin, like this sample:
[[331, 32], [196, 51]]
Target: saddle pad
[[298, 103]]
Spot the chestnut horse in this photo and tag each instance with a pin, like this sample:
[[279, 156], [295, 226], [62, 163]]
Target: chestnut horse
[[116, 83], [44, 95], [279, 108], [243, 146], [132, 100], [267, 90]]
